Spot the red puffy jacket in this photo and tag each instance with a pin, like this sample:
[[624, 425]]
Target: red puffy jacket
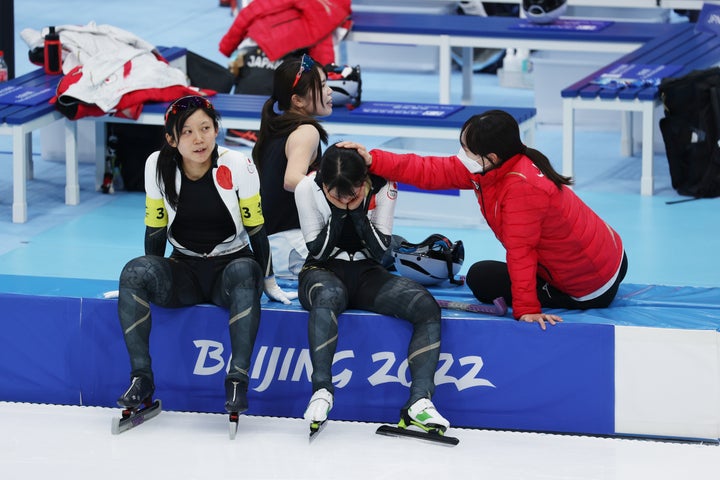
[[546, 231], [282, 26]]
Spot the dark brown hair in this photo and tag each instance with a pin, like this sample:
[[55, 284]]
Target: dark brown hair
[[277, 124], [496, 131], [169, 159]]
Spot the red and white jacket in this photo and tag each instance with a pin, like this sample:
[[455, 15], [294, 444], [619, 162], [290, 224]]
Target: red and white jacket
[[109, 70], [546, 231], [282, 26]]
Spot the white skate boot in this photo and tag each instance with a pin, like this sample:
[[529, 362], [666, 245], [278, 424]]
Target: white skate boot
[[423, 414], [320, 405], [317, 410]]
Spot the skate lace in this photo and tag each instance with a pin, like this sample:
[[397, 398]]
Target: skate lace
[[234, 391]]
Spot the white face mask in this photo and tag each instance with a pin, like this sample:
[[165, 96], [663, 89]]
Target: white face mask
[[472, 165]]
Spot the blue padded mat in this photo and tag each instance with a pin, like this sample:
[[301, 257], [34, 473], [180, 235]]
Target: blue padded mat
[[693, 308]]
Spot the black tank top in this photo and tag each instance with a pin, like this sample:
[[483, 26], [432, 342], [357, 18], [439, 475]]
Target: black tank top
[[278, 204], [202, 220]]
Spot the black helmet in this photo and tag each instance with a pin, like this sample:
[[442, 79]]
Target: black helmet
[[543, 11], [431, 261]]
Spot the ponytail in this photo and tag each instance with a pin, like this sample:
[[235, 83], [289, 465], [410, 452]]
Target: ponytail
[[266, 120], [167, 166], [544, 165]]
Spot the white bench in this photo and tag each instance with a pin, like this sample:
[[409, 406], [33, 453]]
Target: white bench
[[682, 46], [468, 32], [243, 112], [20, 121]]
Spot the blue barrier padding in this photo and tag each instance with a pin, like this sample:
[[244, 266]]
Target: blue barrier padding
[[54, 286], [38, 337], [493, 372], [662, 306], [484, 377]]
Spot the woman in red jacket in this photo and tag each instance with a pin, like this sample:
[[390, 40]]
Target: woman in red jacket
[[559, 252]]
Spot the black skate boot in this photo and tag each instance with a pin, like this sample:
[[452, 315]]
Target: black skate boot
[[235, 395], [140, 391], [139, 394], [235, 402]]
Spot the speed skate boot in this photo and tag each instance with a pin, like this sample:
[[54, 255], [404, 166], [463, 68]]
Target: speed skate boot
[[140, 391], [423, 415], [317, 411], [235, 395], [236, 402], [138, 405], [320, 405]]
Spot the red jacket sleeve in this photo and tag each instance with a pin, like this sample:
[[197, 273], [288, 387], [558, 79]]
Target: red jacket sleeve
[[429, 173], [523, 209]]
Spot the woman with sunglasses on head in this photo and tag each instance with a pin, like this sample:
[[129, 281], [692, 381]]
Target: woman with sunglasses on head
[[559, 252], [289, 144], [346, 217], [205, 200]]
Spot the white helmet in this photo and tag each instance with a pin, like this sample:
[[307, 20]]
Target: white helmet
[[543, 11], [431, 261]]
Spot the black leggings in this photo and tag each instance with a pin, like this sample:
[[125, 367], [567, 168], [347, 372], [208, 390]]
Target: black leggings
[[328, 290], [489, 279], [234, 282]]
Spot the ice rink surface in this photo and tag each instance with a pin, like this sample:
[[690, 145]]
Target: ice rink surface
[[63, 442]]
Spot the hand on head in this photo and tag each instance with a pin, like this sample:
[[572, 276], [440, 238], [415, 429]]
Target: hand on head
[[360, 149]]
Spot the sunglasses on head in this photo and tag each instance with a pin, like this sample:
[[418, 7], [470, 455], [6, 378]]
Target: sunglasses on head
[[189, 102], [306, 64]]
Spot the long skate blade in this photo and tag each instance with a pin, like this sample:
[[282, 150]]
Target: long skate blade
[[233, 425], [120, 425], [315, 429], [498, 308], [393, 431]]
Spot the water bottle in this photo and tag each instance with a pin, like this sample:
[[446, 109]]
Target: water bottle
[[524, 58], [52, 53], [3, 68]]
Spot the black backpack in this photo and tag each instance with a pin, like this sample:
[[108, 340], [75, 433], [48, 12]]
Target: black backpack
[[691, 131]]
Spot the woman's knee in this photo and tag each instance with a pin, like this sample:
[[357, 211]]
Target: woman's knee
[[243, 273], [144, 272], [409, 300], [488, 279], [322, 289]]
